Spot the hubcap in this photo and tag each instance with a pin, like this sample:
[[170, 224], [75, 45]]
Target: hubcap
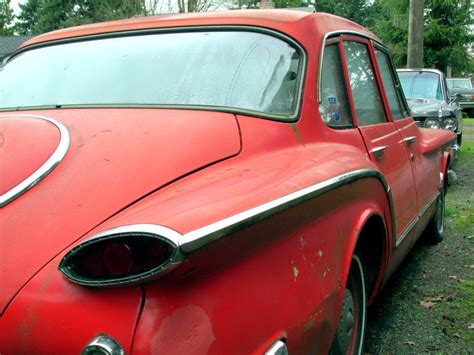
[[347, 321]]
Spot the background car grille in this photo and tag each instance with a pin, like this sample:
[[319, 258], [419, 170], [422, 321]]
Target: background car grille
[[419, 123]]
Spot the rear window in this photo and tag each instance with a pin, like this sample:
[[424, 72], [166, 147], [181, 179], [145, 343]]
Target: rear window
[[235, 70]]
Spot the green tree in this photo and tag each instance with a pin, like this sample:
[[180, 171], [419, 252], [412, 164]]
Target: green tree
[[39, 16], [27, 17], [446, 32], [392, 27], [6, 18], [362, 12], [280, 4], [90, 11], [52, 14]]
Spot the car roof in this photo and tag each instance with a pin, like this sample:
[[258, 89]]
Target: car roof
[[427, 70], [280, 20]]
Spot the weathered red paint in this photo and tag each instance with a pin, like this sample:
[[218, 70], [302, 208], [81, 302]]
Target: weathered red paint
[[283, 277]]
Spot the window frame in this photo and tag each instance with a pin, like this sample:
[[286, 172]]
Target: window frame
[[331, 41], [374, 68], [398, 87]]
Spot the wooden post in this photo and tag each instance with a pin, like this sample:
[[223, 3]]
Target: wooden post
[[415, 34]]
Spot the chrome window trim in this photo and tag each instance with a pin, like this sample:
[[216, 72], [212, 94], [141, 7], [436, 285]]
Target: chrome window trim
[[48, 165], [327, 35], [199, 28], [200, 237]]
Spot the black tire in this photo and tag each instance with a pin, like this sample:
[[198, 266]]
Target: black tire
[[459, 139], [435, 229], [350, 332]]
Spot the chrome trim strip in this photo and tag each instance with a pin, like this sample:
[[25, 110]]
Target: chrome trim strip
[[428, 205], [323, 45], [278, 348], [165, 234], [194, 240], [415, 221], [43, 170], [407, 230], [198, 238]]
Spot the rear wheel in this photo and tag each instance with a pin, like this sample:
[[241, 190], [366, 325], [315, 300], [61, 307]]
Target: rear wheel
[[350, 332]]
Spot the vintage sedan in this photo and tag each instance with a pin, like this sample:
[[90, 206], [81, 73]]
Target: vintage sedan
[[462, 91], [225, 183], [429, 101]]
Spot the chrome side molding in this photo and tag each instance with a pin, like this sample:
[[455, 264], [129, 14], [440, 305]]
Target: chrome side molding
[[43, 170], [278, 348], [198, 238]]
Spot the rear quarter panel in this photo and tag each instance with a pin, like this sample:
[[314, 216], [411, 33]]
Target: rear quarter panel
[[280, 277]]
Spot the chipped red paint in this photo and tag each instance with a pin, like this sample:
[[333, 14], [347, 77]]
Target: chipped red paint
[[281, 278]]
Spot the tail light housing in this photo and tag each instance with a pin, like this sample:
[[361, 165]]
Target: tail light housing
[[123, 256]]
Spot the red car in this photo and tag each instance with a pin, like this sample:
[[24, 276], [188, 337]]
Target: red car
[[224, 183]]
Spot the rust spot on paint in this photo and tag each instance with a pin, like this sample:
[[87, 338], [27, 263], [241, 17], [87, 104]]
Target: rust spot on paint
[[302, 242], [295, 270]]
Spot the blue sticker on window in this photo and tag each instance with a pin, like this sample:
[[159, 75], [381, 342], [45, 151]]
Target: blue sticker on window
[[332, 100]]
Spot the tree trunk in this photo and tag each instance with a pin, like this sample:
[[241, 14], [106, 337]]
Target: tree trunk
[[415, 34]]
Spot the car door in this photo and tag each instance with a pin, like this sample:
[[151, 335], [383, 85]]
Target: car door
[[381, 137], [424, 167]]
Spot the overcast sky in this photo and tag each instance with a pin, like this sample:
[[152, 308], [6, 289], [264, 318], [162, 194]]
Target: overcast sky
[[14, 4]]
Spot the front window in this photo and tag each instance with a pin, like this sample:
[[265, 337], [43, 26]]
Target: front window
[[421, 85], [236, 70], [459, 84]]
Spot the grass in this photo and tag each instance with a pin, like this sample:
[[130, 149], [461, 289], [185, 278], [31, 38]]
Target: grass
[[460, 210], [462, 310], [467, 148]]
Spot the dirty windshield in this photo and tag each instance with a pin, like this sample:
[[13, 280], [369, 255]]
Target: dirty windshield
[[421, 85], [237, 70]]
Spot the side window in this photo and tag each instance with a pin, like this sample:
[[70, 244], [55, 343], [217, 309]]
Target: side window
[[386, 72], [334, 106], [367, 101]]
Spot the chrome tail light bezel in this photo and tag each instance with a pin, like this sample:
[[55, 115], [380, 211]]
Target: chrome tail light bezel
[[161, 233]]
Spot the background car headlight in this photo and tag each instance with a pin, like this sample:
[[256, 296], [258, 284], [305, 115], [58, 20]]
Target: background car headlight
[[432, 123], [449, 123]]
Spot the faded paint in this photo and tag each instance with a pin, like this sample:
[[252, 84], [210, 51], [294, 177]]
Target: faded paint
[[187, 331]]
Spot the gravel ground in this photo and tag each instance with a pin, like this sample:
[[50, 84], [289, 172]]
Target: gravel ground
[[428, 304]]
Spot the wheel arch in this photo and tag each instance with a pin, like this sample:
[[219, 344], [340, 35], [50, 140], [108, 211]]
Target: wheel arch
[[371, 242]]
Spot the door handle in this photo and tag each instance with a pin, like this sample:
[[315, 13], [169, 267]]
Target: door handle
[[410, 140], [379, 151]]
